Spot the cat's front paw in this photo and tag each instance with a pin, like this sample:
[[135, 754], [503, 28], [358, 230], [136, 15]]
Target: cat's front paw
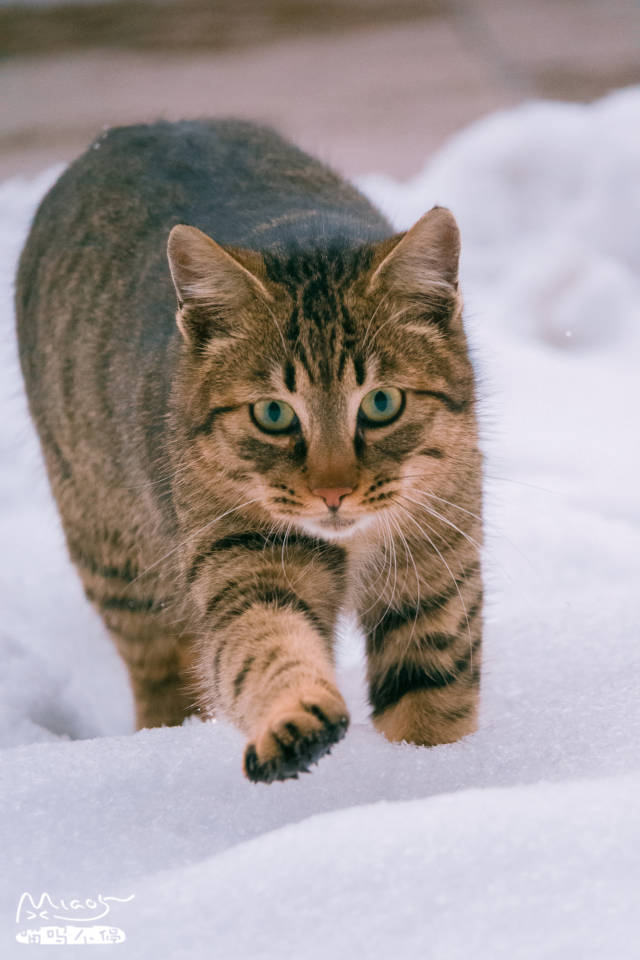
[[296, 733]]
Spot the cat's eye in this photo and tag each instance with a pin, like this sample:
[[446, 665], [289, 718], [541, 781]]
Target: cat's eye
[[381, 406], [274, 416]]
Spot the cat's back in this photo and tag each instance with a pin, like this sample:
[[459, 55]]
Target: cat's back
[[231, 178], [99, 237]]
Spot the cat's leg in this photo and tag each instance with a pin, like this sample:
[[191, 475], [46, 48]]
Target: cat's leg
[[424, 656], [274, 677], [157, 652], [144, 622], [160, 663], [160, 674], [265, 659]]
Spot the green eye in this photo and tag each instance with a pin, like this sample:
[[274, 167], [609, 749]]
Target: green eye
[[274, 416], [382, 406]]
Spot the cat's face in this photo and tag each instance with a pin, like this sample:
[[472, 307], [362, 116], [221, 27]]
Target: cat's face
[[331, 390]]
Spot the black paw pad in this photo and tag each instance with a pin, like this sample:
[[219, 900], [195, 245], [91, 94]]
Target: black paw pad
[[295, 754]]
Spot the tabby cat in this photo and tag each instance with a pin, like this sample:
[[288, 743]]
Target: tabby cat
[[302, 440]]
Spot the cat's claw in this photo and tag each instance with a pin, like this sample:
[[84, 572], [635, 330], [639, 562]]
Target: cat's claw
[[297, 739]]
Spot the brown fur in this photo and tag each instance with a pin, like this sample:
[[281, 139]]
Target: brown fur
[[197, 535]]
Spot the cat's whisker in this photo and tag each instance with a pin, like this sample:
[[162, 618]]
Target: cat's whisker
[[282, 552], [433, 496], [384, 567], [492, 531], [481, 549], [438, 516], [179, 472], [388, 522], [169, 478], [395, 562], [191, 537], [415, 569], [387, 556], [448, 568], [378, 562], [386, 553], [468, 462], [391, 556]]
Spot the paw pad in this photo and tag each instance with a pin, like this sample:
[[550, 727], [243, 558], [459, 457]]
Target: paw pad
[[294, 738]]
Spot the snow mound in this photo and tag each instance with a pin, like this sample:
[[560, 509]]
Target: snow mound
[[548, 201], [521, 841]]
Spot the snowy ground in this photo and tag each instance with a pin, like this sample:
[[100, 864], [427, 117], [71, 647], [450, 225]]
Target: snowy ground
[[522, 841]]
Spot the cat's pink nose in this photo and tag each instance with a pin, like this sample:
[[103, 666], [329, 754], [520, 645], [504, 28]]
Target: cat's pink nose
[[332, 496]]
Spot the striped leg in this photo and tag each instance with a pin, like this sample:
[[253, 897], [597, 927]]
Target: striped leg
[[160, 671], [157, 652], [424, 663], [266, 659]]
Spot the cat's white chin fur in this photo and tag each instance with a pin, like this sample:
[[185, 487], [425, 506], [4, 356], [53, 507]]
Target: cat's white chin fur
[[340, 529]]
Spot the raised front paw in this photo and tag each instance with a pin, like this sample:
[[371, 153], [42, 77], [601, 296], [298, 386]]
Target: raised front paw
[[299, 730]]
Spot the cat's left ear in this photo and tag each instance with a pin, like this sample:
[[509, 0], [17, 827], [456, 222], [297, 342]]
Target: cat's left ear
[[422, 264]]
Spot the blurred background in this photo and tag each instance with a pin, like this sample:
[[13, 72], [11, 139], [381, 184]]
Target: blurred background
[[365, 84]]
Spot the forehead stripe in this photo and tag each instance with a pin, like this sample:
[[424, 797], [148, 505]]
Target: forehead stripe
[[290, 376], [359, 367]]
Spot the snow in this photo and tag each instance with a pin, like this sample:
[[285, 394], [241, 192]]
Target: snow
[[522, 841]]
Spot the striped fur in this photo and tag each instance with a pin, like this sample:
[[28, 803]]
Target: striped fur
[[197, 535]]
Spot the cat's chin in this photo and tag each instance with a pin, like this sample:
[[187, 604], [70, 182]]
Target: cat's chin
[[335, 527]]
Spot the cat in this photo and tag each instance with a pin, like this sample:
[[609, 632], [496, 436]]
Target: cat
[[298, 438]]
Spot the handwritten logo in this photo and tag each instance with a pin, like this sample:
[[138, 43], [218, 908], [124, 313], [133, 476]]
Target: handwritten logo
[[36, 920]]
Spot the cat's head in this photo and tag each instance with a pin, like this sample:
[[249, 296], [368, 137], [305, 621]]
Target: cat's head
[[331, 387]]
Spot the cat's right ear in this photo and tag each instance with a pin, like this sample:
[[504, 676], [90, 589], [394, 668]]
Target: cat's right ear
[[212, 286]]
